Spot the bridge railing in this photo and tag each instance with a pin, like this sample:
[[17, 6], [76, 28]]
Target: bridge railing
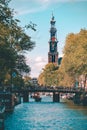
[[51, 89]]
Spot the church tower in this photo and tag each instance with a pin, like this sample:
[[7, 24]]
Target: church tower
[[53, 54]]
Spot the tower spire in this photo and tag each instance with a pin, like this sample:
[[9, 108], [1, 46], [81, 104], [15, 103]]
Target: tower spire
[[52, 16], [53, 54], [52, 13]]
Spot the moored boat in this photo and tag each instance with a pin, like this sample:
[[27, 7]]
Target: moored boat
[[37, 97]]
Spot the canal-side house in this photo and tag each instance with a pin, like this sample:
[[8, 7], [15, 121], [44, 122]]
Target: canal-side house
[[83, 82], [7, 100]]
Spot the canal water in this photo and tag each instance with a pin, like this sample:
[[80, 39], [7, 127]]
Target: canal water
[[47, 115]]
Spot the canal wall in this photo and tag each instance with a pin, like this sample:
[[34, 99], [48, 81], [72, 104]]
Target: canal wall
[[9, 100], [2, 112]]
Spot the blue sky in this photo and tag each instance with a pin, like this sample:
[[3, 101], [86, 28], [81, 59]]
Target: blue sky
[[70, 16]]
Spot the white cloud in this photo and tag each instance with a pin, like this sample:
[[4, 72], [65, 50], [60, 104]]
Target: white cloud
[[39, 59], [51, 1], [31, 6], [27, 10], [23, 7], [36, 64]]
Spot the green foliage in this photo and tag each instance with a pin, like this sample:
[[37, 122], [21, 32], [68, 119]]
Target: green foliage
[[13, 42], [75, 53], [49, 75], [74, 62], [27, 82], [21, 65]]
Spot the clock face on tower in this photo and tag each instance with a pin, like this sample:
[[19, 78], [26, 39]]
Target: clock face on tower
[[53, 39]]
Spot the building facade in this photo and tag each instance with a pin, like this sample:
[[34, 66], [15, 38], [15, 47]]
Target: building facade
[[53, 53]]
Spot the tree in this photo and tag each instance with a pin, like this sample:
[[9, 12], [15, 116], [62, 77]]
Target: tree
[[21, 65], [13, 42], [49, 75], [27, 82], [76, 53], [74, 62], [41, 80], [6, 14]]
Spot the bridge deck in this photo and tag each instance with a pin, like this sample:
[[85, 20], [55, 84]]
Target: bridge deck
[[50, 90]]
